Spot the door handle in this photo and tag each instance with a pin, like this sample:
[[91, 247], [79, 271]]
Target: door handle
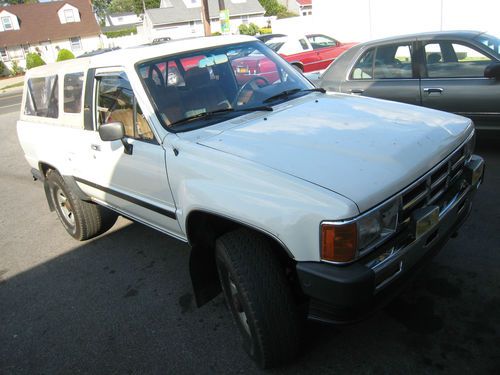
[[430, 90], [95, 147], [357, 91]]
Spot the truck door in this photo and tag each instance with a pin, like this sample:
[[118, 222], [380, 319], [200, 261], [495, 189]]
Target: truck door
[[133, 182]]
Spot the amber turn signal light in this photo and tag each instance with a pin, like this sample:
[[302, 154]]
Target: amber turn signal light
[[338, 242]]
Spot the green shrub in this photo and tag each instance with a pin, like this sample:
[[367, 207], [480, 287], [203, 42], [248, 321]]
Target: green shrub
[[250, 29], [33, 60], [65, 54], [216, 33], [124, 32], [15, 69], [2, 68]]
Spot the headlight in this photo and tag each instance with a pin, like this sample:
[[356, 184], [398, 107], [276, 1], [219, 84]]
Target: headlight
[[342, 242], [378, 224]]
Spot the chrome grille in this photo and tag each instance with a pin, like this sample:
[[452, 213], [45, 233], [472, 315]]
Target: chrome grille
[[429, 189]]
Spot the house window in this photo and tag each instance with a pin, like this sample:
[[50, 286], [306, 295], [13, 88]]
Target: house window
[[76, 43], [244, 20], [7, 23], [69, 15], [26, 48], [3, 54], [191, 25]]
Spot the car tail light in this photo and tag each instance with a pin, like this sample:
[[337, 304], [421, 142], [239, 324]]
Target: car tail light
[[338, 242]]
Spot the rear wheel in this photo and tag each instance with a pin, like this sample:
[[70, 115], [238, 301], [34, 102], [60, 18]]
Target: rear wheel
[[259, 297], [82, 220]]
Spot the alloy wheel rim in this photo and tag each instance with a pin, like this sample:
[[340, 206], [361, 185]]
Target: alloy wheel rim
[[65, 207]]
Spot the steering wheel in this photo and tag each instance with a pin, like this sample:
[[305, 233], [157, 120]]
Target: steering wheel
[[158, 72], [250, 82]]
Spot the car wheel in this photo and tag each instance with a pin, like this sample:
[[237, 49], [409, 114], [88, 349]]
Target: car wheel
[[82, 220], [259, 297]]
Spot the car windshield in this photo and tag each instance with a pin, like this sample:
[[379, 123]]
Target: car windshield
[[276, 43], [203, 87], [491, 42]]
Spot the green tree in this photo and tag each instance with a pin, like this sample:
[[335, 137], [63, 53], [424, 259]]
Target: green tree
[[150, 4], [100, 8], [15, 69], [65, 54], [33, 60], [119, 6], [273, 8]]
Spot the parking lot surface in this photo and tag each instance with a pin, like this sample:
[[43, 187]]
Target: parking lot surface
[[122, 303]]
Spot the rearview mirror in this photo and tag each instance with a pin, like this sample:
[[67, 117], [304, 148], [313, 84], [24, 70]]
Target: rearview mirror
[[492, 70], [112, 131]]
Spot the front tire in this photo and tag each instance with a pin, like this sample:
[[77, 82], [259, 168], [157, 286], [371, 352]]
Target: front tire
[[82, 220], [259, 296]]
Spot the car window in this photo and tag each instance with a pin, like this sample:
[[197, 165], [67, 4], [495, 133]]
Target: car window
[[393, 62], [363, 69], [491, 42], [321, 41], [73, 87], [447, 59], [42, 97], [116, 103], [304, 45]]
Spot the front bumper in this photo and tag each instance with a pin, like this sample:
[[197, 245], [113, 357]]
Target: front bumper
[[344, 293]]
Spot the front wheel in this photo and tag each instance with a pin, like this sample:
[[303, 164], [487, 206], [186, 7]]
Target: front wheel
[[259, 296], [81, 219]]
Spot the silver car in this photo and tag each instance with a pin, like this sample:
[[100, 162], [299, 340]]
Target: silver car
[[455, 71]]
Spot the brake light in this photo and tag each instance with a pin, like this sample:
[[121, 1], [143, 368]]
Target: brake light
[[338, 242]]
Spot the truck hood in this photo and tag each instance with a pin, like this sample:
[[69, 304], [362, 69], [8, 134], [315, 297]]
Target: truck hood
[[364, 149]]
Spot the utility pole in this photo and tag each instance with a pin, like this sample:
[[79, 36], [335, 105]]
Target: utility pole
[[205, 17]]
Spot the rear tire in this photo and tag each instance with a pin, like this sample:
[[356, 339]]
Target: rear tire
[[82, 220], [259, 296]]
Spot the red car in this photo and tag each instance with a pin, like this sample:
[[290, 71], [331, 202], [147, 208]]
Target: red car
[[308, 53]]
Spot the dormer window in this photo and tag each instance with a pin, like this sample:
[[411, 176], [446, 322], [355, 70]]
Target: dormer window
[[7, 23], [69, 15]]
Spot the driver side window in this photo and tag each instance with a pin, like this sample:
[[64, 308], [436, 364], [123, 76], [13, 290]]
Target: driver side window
[[116, 103]]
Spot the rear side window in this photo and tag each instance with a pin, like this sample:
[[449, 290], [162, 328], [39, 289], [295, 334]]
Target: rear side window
[[42, 97], [73, 87]]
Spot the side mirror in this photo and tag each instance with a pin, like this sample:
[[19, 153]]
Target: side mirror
[[114, 131], [492, 70]]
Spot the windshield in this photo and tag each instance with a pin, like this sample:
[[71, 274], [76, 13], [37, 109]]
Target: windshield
[[491, 42], [201, 88]]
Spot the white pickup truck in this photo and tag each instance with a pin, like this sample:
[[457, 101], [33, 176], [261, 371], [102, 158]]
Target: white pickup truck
[[295, 202]]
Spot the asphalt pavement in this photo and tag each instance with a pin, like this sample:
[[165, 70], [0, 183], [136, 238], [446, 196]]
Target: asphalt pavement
[[122, 303], [10, 101]]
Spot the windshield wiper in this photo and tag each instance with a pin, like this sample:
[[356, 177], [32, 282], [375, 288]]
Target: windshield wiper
[[287, 93], [209, 114]]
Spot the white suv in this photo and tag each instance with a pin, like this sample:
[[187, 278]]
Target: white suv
[[295, 201]]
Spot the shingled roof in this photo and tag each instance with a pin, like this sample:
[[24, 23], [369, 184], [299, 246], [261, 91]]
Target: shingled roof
[[39, 22], [177, 12]]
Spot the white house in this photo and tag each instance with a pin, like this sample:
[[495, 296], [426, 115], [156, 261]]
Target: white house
[[45, 28], [182, 18], [300, 7], [120, 21]]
